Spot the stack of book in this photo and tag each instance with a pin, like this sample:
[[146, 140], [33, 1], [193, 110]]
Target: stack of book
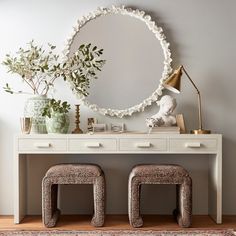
[[165, 130]]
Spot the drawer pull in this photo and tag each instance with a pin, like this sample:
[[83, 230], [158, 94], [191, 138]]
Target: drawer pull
[[93, 145], [193, 145], [42, 145], [143, 145]]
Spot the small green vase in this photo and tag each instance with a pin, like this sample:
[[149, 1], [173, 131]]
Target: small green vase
[[58, 123]]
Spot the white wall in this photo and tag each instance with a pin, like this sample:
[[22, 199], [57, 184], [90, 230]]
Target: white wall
[[202, 35]]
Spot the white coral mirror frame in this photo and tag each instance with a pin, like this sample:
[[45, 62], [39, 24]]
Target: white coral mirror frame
[[159, 35]]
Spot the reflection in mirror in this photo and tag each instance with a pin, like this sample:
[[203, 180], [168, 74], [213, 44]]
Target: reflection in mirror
[[134, 61]]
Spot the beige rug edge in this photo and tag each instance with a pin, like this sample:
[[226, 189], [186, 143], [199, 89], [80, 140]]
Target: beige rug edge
[[138, 232]]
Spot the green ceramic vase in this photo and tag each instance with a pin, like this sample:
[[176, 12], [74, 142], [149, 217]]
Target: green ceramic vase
[[58, 123]]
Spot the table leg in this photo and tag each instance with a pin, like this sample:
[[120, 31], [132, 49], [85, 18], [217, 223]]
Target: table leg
[[215, 187], [20, 176]]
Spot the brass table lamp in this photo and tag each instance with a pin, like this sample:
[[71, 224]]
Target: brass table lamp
[[173, 84]]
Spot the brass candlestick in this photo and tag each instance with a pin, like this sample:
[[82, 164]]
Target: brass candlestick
[[77, 130]]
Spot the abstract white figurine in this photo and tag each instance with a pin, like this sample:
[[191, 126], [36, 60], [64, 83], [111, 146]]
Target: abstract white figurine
[[164, 116]]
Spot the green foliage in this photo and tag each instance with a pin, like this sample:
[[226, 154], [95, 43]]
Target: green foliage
[[8, 89], [86, 62], [55, 106], [39, 68]]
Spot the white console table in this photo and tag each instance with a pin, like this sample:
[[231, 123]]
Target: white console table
[[125, 143]]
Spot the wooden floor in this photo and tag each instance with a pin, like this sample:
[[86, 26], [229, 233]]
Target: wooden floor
[[116, 222]]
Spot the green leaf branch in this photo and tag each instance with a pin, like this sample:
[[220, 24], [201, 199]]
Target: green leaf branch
[[39, 67], [84, 65], [55, 106]]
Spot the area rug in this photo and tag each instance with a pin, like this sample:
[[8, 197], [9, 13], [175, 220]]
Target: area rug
[[118, 233]]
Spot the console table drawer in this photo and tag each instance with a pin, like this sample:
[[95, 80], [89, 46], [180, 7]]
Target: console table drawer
[[37, 145], [193, 145], [143, 145], [92, 145]]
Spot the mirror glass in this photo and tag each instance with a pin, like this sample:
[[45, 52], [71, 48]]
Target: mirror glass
[[134, 60]]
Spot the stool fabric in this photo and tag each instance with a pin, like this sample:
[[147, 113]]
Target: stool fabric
[[72, 174], [161, 174]]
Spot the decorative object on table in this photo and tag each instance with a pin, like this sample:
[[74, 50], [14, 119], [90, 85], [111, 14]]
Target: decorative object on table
[[179, 128], [173, 84], [77, 129], [130, 24], [34, 108], [39, 67], [165, 130], [180, 123], [164, 117], [25, 123], [99, 128], [57, 120], [117, 127], [90, 123]]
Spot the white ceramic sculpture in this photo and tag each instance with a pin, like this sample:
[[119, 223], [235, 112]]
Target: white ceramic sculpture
[[164, 116]]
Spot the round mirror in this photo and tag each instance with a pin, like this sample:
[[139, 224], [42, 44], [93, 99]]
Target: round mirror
[[137, 59]]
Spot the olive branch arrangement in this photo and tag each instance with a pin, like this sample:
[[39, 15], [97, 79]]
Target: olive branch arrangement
[[39, 67]]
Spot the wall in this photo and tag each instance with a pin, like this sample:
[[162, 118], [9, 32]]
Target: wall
[[202, 35]]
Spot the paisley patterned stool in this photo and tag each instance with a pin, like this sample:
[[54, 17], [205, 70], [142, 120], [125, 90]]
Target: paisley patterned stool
[[72, 174], [161, 174]]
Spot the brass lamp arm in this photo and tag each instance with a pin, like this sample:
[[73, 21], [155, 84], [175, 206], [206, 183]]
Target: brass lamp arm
[[199, 98], [194, 85]]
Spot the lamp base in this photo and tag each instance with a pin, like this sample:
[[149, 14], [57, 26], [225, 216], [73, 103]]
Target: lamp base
[[200, 131]]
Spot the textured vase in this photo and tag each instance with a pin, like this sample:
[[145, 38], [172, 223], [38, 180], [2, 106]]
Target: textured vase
[[34, 108], [58, 123]]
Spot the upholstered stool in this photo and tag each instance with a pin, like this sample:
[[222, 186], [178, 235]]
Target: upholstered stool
[[161, 174], [72, 174]]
